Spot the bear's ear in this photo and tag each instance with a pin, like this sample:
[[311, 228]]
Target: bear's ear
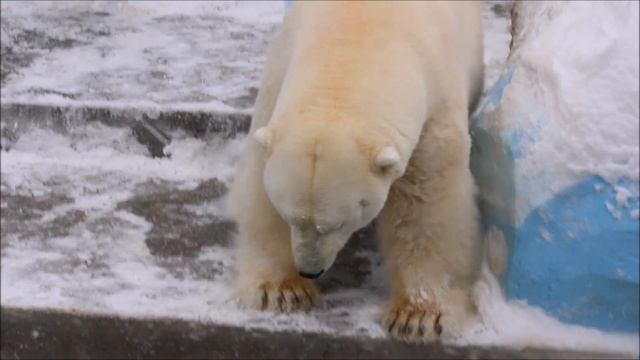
[[387, 158], [263, 137]]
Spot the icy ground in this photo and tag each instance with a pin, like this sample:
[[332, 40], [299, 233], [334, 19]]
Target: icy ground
[[202, 55], [92, 223]]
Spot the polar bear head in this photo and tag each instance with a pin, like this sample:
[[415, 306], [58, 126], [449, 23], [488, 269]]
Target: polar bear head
[[326, 185]]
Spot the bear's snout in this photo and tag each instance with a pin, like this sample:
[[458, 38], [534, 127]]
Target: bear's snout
[[310, 275], [308, 267]]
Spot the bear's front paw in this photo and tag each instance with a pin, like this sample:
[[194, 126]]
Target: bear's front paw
[[413, 321], [287, 296]]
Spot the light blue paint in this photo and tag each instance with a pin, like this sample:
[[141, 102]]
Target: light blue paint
[[493, 95], [586, 273], [515, 141], [518, 140], [493, 167]]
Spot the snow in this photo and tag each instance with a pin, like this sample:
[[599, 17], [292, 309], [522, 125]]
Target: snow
[[556, 160], [497, 36], [50, 154], [99, 260], [622, 195], [612, 210], [137, 53], [546, 236], [579, 107], [515, 324]]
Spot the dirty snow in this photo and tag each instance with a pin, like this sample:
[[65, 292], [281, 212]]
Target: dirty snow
[[136, 53], [579, 107]]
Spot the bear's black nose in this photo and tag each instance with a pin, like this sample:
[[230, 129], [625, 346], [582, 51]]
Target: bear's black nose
[[309, 275]]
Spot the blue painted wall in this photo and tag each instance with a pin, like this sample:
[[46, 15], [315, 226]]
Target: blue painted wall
[[573, 258], [570, 256]]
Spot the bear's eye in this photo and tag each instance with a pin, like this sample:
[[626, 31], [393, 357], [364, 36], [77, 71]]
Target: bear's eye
[[364, 203]]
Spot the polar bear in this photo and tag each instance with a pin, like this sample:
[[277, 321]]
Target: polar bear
[[363, 113]]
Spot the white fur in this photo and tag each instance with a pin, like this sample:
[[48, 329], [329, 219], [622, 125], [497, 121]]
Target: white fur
[[348, 88]]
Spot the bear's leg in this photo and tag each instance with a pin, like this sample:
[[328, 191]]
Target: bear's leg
[[429, 233], [266, 275]]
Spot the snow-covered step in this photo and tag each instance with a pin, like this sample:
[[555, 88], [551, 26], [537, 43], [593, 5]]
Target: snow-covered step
[[18, 118], [205, 55]]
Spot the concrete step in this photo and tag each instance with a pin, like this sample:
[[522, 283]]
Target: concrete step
[[53, 334], [150, 125]]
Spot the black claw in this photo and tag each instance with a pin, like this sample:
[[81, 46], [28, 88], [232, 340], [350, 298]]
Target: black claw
[[406, 329], [296, 301], [393, 323], [436, 325], [308, 296], [280, 301], [265, 299], [421, 325]]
